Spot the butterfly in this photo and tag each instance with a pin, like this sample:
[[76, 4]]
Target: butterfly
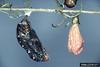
[[29, 40]]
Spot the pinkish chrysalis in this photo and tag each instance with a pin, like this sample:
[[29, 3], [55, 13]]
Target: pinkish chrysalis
[[75, 40]]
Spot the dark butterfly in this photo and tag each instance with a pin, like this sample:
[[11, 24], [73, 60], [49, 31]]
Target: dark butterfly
[[29, 40], [70, 3]]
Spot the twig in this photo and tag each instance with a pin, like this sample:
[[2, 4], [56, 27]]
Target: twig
[[51, 10]]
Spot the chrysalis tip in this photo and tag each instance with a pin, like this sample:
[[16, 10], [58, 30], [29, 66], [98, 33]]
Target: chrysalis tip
[[28, 13]]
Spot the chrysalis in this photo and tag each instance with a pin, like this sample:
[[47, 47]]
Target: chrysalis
[[70, 3], [29, 40], [75, 40]]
